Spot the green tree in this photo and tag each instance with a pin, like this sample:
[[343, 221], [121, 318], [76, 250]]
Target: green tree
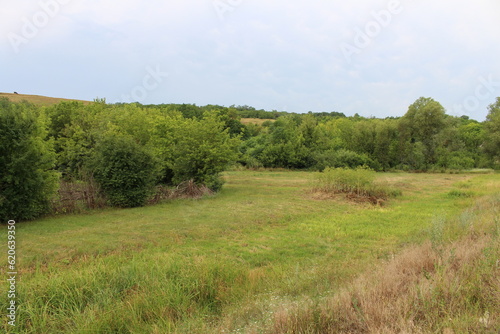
[[422, 123], [285, 145], [195, 149], [492, 133], [74, 127], [27, 178], [126, 171], [363, 137], [385, 147]]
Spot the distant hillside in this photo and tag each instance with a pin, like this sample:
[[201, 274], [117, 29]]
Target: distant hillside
[[37, 99]]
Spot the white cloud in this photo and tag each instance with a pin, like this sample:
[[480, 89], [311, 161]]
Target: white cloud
[[262, 53]]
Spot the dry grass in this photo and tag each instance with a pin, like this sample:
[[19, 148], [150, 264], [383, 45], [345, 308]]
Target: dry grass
[[80, 196], [37, 99], [448, 287], [187, 189], [257, 121], [76, 197]]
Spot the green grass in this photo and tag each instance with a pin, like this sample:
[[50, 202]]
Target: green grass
[[217, 263], [449, 284]]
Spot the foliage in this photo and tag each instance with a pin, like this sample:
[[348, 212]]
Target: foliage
[[195, 149], [27, 180], [492, 133], [199, 142], [73, 126], [343, 159], [424, 139], [126, 171], [421, 124]]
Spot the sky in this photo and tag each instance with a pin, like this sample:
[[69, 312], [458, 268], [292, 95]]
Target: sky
[[369, 57]]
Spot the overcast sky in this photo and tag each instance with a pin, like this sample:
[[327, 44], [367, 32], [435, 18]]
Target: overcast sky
[[373, 58]]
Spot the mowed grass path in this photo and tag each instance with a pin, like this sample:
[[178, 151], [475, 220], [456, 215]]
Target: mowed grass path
[[218, 262]]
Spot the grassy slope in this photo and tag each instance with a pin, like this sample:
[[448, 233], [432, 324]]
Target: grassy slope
[[221, 262], [36, 99]]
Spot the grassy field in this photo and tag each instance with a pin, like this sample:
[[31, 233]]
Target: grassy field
[[230, 262], [36, 99]]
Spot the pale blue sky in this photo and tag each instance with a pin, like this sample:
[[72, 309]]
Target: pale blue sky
[[374, 57]]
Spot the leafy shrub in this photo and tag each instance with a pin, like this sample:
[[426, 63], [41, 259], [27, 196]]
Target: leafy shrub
[[126, 171], [343, 159], [27, 180], [359, 182], [193, 149], [456, 160]]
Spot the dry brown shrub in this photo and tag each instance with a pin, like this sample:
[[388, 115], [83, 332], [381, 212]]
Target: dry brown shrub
[[77, 196], [187, 189], [162, 192]]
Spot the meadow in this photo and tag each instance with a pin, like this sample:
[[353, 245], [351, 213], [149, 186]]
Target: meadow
[[264, 255]]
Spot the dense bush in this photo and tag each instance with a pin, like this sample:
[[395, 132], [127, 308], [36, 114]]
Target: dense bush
[[73, 127], [27, 180], [343, 158], [126, 171], [195, 149], [492, 133]]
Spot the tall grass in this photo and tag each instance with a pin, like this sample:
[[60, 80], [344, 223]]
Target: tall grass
[[259, 257], [451, 287], [120, 295], [359, 183]]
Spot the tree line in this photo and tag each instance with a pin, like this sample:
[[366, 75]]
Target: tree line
[[130, 149], [424, 139]]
